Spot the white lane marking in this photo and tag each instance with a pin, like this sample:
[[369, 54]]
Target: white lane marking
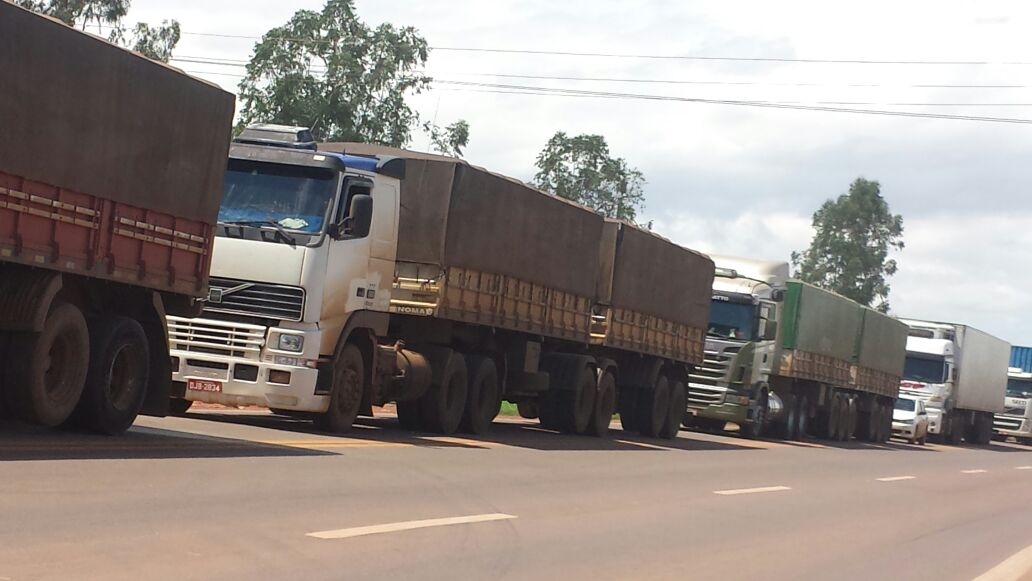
[[408, 525], [896, 478], [1014, 568], [1023, 468], [751, 490], [979, 471]]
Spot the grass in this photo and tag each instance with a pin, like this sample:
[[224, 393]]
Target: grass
[[508, 409]]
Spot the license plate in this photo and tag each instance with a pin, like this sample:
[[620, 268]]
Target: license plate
[[203, 385]]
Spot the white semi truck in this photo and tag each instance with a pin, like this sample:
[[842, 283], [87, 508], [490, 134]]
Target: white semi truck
[[341, 282], [1016, 419], [961, 375]]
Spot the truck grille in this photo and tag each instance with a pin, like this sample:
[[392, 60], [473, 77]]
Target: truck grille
[[713, 368], [1002, 422], [255, 299], [215, 337], [702, 396]]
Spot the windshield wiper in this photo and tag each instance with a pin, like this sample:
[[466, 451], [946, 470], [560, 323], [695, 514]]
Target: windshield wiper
[[281, 232]]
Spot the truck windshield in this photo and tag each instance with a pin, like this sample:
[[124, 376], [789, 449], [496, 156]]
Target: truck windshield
[[926, 369], [292, 197], [730, 320], [1019, 388]]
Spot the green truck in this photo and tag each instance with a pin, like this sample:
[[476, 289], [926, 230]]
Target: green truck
[[788, 358]]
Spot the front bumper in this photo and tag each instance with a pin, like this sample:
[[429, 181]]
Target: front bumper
[[715, 402], [904, 430], [234, 356], [934, 420], [1012, 426]]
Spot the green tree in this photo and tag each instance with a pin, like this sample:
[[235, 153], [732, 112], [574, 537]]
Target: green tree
[[153, 42], [581, 169], [449, 140], [850, 248], [330, 71]]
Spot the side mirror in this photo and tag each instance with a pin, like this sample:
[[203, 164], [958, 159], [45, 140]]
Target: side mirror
[[361, 215], [359, 220], [777, 295], [769, 332]]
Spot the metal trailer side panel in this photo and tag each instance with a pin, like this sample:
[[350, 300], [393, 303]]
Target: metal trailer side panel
[[86, 116], [73, 232], [820, 322], [981, 383], [881, 353], [657, 294], [1021, 357]]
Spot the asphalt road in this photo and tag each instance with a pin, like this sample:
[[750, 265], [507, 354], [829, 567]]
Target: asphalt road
[[254, 496]]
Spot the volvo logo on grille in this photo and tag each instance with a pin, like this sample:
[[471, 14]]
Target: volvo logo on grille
[[216, 295]]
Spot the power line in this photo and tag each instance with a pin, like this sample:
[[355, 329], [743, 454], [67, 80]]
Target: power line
[[243, 63], [762, 104], [645, 56]]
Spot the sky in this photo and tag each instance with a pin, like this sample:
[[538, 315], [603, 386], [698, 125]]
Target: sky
[[730, 179]]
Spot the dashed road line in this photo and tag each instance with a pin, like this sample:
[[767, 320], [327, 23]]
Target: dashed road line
[[1023, 467], [408, 525], [895, 478], [737, 491], [978, 471], [1014, 568]]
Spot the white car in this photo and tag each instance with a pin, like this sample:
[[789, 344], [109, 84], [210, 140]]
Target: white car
[[910, 420]]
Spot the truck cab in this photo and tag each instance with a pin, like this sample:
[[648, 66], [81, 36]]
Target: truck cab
[[294, 222], [730, 385], [928, 371], [1015, 421]]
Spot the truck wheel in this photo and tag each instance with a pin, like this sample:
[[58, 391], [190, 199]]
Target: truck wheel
[[443, 404], [754, 429], [408, 415], [527, 409], [675, 411], [803, 418], [842, 411], [116, 384], [787, 428], [483, 399], [575, 406], [46, 372], [346, 391], [627, 401], [834, 418], [179, 407], [886, 423], [851, 418], [956, 429], [872, 430], [653, 408], [5, 408], [605, 406]]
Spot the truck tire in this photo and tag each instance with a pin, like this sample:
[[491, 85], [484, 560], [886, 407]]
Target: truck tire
[[871, 429], [787, 427], [955, 434], [675, 411], [842, 403], [834, 418], [179, 407], [575, 406], [409, 415], [527, 409], [627, 406], [119, 370], [5, 408], [851, 418], [345, 392], [442, 405], [803, 423], [754, 429], [46, 371], [605, 406], [886, 423], [653, 408], [483, 398]]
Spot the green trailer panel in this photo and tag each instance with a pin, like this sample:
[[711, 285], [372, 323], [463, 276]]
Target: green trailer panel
[[883, 343], [820, 322]]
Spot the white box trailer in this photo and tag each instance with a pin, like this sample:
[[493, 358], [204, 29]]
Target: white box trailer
[[981, 381]]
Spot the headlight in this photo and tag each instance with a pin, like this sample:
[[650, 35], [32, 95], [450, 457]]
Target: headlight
[[292, 343]]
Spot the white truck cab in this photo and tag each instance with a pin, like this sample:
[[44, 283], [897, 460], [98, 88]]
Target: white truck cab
[[1016, 419], [293, 222], [927, 375]]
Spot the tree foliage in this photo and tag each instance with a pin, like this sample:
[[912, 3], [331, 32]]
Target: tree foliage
[[449, 140], [153, 42], [850, 248], [330, 71], [580, 168]]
